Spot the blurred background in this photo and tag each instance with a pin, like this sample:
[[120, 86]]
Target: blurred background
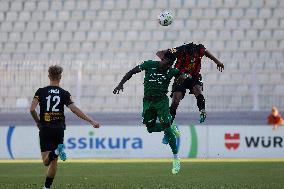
[[98, 41]]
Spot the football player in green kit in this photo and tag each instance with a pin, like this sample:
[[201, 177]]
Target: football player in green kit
[[158, 75]]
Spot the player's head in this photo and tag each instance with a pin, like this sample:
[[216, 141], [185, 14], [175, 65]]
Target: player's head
[[274, 111], [168, 59], [54, 72]]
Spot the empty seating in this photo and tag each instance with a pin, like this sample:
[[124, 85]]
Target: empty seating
[[245, 35], [210, 20]]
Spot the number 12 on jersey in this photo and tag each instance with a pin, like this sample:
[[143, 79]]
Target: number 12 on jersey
[[55, 99]]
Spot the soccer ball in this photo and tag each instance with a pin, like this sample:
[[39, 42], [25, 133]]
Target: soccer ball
[[165, 18]]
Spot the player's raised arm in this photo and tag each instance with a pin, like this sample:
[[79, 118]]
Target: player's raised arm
[[34, 113], [220, 65], [82, 115], [126, 77]]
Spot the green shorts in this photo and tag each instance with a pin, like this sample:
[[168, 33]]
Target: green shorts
[[157, 108]]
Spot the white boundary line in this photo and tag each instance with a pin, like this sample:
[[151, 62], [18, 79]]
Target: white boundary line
[[199, 160]]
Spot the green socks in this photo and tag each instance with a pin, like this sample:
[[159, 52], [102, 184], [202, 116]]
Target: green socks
[[172, 139], [158, 127]]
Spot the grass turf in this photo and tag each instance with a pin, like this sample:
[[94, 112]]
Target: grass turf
[[195, 175]]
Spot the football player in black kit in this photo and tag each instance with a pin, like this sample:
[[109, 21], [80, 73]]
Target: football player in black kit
[[51, 122]]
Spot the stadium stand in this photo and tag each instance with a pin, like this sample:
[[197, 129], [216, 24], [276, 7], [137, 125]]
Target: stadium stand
[[98, 41]]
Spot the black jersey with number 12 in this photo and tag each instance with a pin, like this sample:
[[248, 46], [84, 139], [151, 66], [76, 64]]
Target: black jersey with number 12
[[51, 101]]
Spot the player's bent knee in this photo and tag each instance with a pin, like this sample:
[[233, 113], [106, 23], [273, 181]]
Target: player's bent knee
[[150, 127], [46, 163], [149, 130], [197, 90]]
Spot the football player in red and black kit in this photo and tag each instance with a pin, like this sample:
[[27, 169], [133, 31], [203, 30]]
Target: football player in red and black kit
[[51, 122], [189, 61]]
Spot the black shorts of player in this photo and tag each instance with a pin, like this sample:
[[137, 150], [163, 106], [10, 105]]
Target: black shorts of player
[[188, 83], [50, 137]]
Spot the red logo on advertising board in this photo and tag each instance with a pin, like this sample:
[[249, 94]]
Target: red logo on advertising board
[[232, 141]]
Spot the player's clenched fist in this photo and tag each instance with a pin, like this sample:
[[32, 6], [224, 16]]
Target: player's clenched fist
[[117, 89], [95, 124]]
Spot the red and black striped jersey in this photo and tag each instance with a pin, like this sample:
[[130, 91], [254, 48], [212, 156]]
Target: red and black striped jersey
[[189, 58]]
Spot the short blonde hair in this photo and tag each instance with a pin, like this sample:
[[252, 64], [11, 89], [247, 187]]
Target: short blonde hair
[[55, 72]]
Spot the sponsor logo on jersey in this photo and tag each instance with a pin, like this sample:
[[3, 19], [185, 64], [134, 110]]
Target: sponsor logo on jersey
[[54, 91]]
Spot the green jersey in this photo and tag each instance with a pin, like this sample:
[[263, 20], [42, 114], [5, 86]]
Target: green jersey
[[156, 79]]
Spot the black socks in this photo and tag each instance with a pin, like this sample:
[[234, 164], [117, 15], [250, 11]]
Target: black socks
[[200, 102], [48, 182]]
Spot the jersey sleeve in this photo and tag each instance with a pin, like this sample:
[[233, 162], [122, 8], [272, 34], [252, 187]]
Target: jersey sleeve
[[67, 98], [37, 94], [175, 72], [200, 46], [201, 49], [145, 65]]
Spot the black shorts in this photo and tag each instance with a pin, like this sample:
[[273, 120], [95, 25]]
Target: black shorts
[[188, 83], [50, 138]]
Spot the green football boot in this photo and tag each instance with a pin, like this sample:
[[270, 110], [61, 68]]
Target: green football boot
[[176, 166]]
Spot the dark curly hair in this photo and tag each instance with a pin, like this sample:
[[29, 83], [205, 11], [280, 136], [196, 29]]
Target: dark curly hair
[[171, 56]]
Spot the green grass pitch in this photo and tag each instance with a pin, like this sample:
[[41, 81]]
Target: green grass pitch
[[146, 174]]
